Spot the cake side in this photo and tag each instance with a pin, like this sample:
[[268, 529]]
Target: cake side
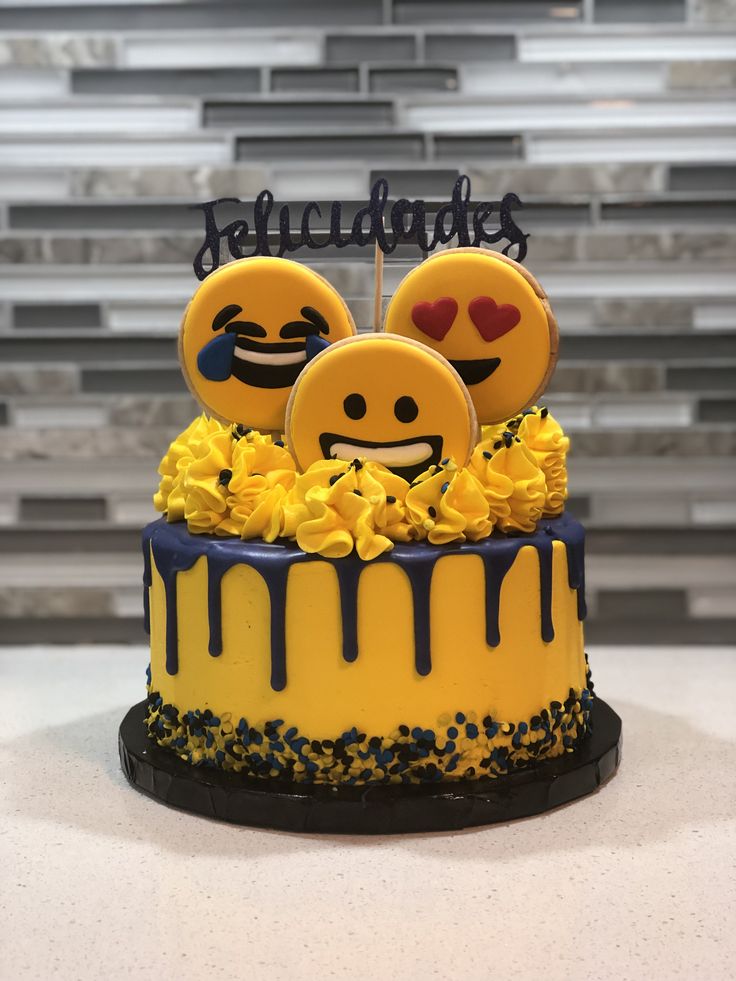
[[260, 652]]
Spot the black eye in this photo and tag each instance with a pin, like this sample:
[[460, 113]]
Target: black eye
[[406, 409], [354, 406], [225, 315]]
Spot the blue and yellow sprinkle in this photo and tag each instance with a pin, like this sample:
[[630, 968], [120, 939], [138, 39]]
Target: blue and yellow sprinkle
[[462, 745]]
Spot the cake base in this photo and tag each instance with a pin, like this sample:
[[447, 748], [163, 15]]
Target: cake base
[[380, 809]]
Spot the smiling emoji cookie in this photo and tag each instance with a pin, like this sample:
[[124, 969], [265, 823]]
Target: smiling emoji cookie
[[489, 317], [381, 397], [250, 329]]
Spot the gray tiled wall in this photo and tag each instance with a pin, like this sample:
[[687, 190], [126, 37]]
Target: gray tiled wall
[[614, 120]]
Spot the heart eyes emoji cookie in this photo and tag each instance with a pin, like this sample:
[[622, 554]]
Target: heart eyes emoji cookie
[[489, 318]]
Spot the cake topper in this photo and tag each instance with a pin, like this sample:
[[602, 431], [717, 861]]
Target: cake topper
[[489, 317], [381, 397], [250, 329], [377, 221]]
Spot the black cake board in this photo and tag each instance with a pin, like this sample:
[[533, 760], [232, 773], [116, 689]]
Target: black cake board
[[380, 809]]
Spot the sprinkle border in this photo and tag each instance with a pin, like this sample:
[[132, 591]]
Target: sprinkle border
[[461, 746]]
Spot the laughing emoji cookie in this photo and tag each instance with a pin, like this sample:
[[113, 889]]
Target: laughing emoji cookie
[[384, 398], [249, 330], [489, 317]]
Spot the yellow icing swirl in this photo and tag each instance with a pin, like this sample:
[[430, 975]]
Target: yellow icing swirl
[[543, 435], [229, 480], [261, 473], [204, 491], [175, 463], [445, 505], [540, 432], [226, 480], [526, 503], [335, 506], [497, 486]]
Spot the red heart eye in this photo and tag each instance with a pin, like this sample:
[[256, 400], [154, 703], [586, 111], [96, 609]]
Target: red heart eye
[[493, 321], [435, 319]]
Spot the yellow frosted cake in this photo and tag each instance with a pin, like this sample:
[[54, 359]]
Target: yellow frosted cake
[[364, 573]]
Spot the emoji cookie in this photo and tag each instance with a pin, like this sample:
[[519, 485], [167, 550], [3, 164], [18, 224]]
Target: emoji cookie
[[381, 397], [489, 317], [250, 329]]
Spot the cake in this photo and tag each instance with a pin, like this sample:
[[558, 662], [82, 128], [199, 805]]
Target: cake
[[364, 575]]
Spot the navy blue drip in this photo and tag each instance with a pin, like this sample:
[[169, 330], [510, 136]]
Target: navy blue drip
[[348, 577], [147, 580], [576, 574], [496, 566], [544, 551], [217, 566], [175, 550]]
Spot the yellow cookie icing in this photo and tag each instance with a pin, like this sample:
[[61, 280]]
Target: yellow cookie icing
[[382, 398], [246, 336], [489, 317]]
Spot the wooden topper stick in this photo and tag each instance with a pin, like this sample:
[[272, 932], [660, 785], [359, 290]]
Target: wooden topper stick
[[378, 294]]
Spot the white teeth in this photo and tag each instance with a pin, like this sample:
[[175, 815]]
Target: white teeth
[[258, 357], [389, 456]]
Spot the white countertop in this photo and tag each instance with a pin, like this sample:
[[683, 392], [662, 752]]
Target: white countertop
[[99, 882]]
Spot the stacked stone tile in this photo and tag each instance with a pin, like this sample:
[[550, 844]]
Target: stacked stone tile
[[613, 120]]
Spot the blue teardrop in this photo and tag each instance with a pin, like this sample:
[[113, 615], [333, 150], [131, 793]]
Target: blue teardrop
[[216, 358], [314, 345]]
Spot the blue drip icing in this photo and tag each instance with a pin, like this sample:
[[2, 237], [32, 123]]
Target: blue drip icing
[[576, 570], [418, 562], [175, 550], [180, 556], [496, 566], [172, 625], [275, 577], [147, 580], [544, 551], [217, 566], [348, 580]]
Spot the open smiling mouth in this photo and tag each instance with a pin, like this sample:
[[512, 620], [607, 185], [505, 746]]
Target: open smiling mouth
[[268, 365], [405, 457], [474, 372]]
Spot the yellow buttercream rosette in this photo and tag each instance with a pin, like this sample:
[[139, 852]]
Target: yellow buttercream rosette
[[446, 504], [234, 481], [540, 432], [336, 506], [497, 486], [172, 467], [507, 460], [205, 494], [543, 435], [226, 480], [261, 473]]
